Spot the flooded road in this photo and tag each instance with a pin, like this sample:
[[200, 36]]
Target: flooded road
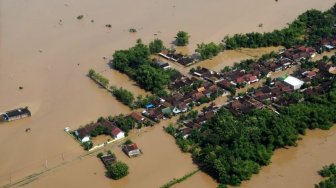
[[47, 51]]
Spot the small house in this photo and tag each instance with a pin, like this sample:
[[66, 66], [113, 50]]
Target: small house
[[131, 150], [163, 65], [108, 159], [116, 133], [16, 114], [83, 134], [137, 117]]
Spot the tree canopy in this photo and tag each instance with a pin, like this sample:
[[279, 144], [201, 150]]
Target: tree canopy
[[329, 173], [117, 170], [306, 29], [136, 63], [182, 38], [232, 148], [123, 95], [156, 46], [208, 51]]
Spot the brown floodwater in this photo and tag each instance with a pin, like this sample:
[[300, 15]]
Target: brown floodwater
[[47, 51], [298, 166]]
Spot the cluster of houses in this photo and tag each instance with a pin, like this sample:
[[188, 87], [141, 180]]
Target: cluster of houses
[[239, 78], [196, 123], [277, 93], [299, 53], [84, 134], [181, 101], [326, 44], [178, 57]]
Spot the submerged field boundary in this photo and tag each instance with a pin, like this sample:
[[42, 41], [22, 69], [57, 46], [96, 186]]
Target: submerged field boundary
[[32, 177], [179, 180]]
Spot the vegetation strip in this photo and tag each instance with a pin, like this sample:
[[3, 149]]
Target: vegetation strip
[[329, 173], [179, 180]]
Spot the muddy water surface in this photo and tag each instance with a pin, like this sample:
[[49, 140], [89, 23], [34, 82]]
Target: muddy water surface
[[47, 51]]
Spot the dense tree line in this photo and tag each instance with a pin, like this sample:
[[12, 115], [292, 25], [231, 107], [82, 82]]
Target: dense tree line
[[98, 78], [329, 173], [306, 29], [232, 148], [136, 63]]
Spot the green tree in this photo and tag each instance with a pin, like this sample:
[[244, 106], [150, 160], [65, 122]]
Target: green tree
[[156, 46], [208, 51], [125, 123], [117, 170], [182, 38], [123, 96]]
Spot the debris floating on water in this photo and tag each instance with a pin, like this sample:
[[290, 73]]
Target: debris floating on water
[[80, 17]]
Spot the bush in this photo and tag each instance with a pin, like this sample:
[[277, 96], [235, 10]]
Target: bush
[[182, 38], [128, 141], [87, 145], [156, 46], [117, 170], [123, 95], [98, 78], [170, 130], [100, 154], [207, 51]]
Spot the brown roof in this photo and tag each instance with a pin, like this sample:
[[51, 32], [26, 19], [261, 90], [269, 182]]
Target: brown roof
[[198, 96], [115, 131], [136, 116], [209, 115]]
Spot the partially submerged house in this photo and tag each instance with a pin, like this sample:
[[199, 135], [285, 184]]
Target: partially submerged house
[[137, 117], [84, 133], [108, 159], [16, 114], [163, 65], [131, 150]]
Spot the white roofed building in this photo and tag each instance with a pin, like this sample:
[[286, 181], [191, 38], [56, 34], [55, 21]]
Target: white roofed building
[[294, 82]]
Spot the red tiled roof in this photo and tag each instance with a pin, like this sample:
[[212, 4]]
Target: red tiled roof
[[252, 78], [115, 131], [311, 74], [131, 147], [136, 116], [240, 80]]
